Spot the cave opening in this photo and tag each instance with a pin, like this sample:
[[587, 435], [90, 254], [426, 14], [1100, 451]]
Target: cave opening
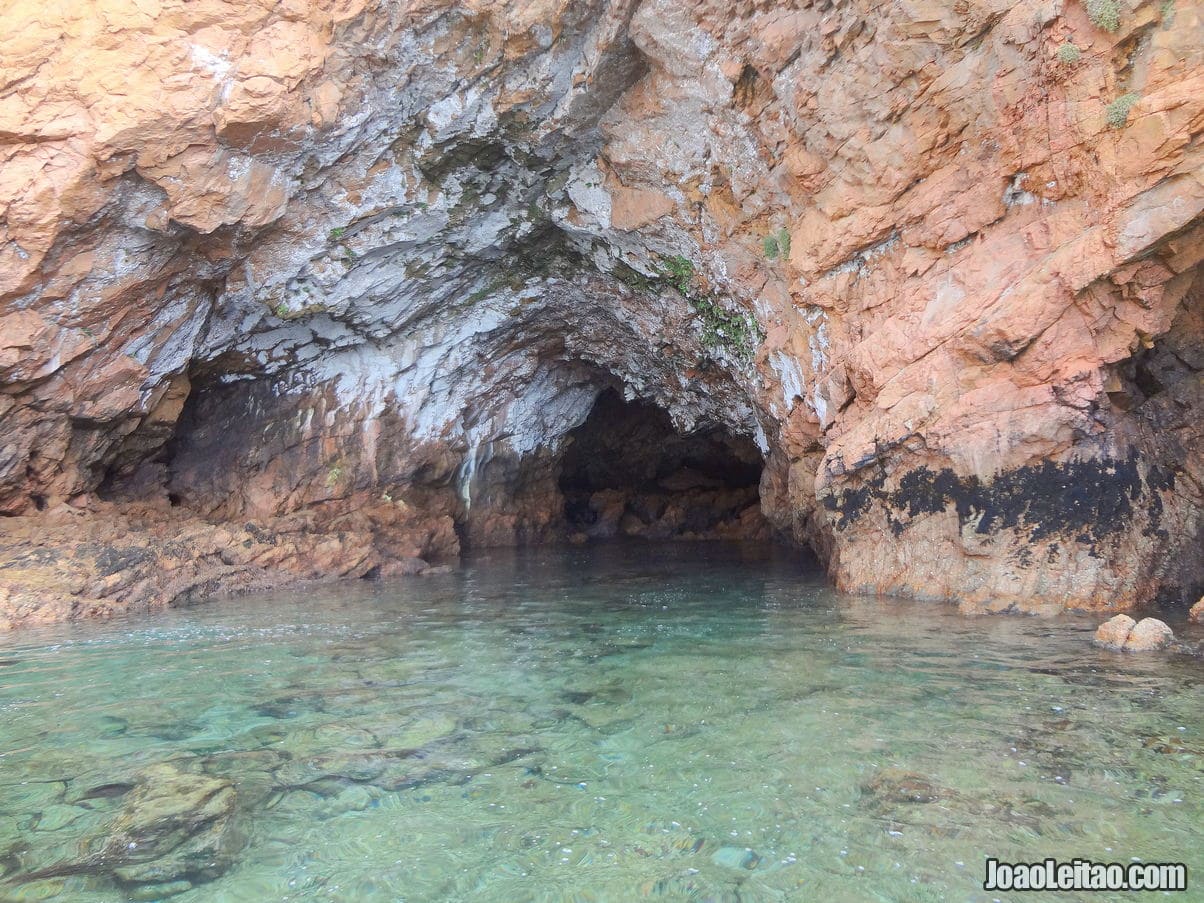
[[628, 472]]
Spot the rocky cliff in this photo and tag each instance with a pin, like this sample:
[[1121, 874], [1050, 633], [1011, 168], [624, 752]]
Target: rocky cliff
[[300, 288]]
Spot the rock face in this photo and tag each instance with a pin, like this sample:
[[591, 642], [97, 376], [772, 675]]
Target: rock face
[[68, 563], [309, 262]]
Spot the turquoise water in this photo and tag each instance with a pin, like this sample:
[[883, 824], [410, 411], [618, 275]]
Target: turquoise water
[[608, 724]]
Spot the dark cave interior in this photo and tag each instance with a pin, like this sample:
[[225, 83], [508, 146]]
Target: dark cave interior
[[627, 472]]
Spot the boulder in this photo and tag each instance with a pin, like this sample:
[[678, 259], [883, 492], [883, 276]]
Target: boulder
[[1113, 632], [1149, 635], [1122, 632]]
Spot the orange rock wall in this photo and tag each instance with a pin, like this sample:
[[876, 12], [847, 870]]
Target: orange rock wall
[[940, 260]]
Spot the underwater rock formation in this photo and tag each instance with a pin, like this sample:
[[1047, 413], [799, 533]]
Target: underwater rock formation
[[174, 829], [352, 273]]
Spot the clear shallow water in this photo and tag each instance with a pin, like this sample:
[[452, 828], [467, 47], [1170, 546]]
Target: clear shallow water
[[680, 723]]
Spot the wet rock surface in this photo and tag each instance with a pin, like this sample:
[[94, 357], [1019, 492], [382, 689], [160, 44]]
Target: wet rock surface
[[1149, 635], [1113, 632], [106, 559], [1146, 635], [313, 259]]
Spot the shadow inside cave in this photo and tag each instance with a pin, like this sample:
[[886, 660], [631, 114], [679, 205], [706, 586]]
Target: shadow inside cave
[[628, 472]]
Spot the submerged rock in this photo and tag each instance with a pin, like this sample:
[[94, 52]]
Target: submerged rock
[[736, 858], [153, 892], [59, 816], [175, 825], [891, 787], [1122, 632], [175, 829]]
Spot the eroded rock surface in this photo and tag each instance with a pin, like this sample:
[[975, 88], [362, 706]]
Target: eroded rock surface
[[940, 262], [70, 563]]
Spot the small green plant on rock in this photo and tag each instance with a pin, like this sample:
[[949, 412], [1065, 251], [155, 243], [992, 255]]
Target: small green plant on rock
[[739, 333], [776, 245], [1104, 14], [282, 310], [1068, 53], [1167, 13], [678, 272], [337, 232], [478, 53], [334, 475], [1118, 111]]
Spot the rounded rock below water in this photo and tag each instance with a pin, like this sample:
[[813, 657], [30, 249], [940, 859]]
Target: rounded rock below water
[[736, 858]]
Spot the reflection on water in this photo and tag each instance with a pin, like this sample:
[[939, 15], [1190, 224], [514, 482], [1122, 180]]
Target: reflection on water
[[618, 724]]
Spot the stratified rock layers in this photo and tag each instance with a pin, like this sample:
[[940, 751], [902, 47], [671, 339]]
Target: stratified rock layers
[[364, 266]]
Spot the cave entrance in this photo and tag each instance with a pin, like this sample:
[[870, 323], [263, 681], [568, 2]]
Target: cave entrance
[[628, 472]]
